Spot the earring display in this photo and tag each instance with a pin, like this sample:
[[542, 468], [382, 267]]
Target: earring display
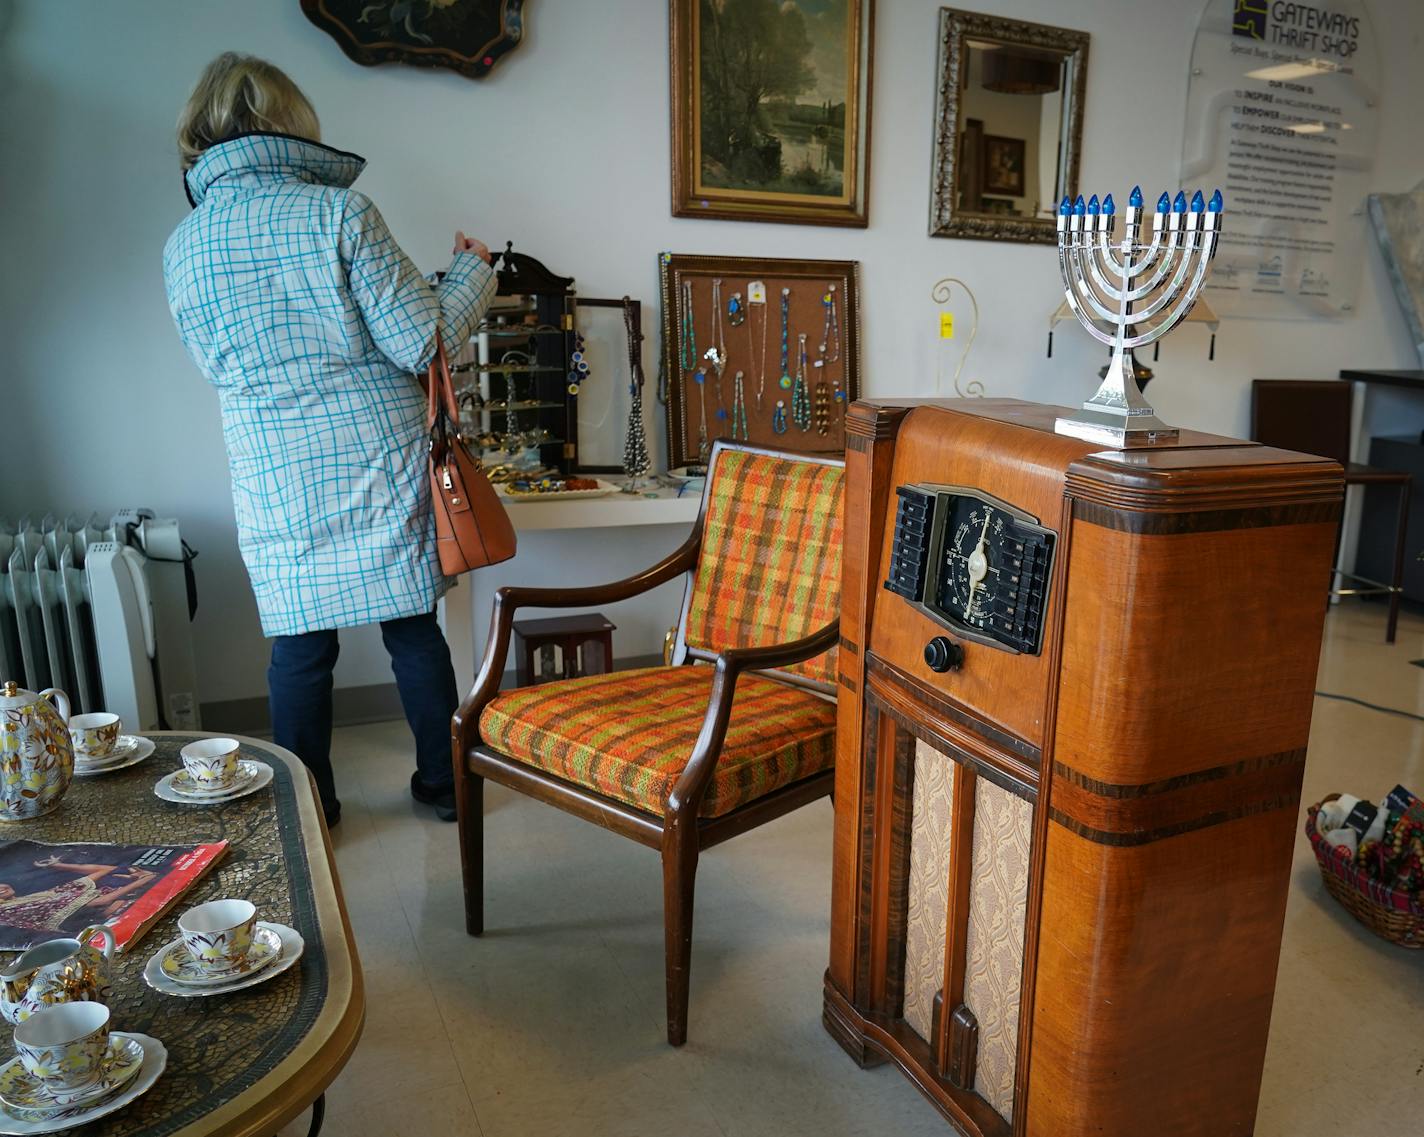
[[814, 305], [736, 310], [523, 372]]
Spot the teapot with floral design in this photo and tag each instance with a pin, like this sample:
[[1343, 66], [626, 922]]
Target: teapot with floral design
[[36, 754]]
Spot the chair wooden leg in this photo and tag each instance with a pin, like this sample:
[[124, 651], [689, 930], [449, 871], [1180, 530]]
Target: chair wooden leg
[[679, 876], [1397, 580], [470, 802]]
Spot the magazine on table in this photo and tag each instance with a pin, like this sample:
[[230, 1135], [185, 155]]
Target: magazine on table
[[51, 891]]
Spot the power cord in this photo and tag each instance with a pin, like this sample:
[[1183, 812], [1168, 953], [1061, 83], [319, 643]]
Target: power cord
[[1371, 706]]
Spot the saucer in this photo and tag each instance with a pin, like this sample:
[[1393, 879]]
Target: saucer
[[255, 775], [184, 783], [292, 947], [131, 750], [23, 1122], [19, 1090], [177, 962]]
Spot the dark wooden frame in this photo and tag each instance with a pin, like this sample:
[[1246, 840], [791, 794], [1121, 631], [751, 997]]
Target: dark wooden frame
[[732, 205], [473, 66], [956, 27], [672, 267], [581, 467], [680, 834]]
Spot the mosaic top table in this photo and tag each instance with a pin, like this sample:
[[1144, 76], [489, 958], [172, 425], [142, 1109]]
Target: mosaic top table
[[244, 1064]]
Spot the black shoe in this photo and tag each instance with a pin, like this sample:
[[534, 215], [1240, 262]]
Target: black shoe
[[332, 810], [442, 799]]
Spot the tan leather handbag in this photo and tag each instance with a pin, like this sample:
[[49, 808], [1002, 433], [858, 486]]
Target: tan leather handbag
[[472, 528]]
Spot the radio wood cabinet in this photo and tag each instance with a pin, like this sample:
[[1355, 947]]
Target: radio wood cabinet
[[1075, 694]]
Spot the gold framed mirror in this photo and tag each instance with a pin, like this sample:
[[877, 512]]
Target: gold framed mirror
[[1008, 127]]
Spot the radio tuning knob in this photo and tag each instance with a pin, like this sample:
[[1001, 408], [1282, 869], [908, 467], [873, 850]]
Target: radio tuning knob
[[943, 654]]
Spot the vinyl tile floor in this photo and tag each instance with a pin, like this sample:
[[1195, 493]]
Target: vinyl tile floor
[[551, 1024]]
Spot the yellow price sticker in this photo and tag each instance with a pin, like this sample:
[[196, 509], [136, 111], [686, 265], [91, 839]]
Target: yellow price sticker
[[946, 325]]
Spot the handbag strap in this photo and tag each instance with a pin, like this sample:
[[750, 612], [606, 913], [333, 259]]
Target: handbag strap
[[440, 389]]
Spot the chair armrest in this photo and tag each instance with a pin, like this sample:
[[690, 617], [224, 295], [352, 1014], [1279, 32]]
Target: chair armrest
[[692, 783], [739, 659], [510, 598]]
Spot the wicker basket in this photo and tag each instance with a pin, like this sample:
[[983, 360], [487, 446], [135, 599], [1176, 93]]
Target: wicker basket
[[1392, 915]]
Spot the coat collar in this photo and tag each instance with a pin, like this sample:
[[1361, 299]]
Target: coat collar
[[258, 157]]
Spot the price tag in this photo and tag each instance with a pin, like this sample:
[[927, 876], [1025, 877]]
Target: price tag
[[946, 325], [756, 292]]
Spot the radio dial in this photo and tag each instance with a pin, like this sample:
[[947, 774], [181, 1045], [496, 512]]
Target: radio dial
[[943, 654]]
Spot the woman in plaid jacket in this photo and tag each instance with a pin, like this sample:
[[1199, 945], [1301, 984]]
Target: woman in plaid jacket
[[297, 304]]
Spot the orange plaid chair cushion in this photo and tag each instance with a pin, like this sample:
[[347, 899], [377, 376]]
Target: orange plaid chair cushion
[[769, 570], [629, 735]]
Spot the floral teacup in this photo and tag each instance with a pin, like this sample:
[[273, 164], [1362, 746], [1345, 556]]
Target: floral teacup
[[63, 1046], [218, 934], [212, 763], [96, 734]]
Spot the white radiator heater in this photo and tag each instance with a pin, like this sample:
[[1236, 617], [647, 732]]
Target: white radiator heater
[[101, 611]]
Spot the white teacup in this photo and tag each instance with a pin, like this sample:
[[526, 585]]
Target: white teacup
[[63, 1046], [212, 763], [95, 734], [218, 934]]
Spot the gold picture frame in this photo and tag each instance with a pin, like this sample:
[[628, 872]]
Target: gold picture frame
[[798, 153]]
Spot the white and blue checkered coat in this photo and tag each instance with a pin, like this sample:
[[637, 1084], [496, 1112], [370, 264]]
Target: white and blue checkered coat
[[298, 305]]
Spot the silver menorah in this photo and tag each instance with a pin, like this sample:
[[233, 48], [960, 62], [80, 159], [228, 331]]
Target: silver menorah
[[1105, 279]]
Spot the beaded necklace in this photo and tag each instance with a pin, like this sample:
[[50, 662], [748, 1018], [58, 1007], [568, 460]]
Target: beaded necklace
[[717, 353], [700, 378], [688, 358], [636, 461], [739, 408], [800, 395], [778, 417], [785, 379], [688, 346]]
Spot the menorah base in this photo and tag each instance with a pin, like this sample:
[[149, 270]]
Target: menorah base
[[1119, 431]]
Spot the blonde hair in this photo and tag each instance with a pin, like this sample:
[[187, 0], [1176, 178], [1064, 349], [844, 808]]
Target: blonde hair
[[239, 93]]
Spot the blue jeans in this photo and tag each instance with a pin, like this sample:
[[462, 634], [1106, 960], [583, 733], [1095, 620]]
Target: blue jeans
[[299, 689]]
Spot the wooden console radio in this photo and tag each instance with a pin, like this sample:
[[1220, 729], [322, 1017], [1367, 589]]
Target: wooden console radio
[[1075, 697]]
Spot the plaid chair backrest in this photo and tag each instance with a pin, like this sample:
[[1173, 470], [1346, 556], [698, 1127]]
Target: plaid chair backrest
[[769, 571]]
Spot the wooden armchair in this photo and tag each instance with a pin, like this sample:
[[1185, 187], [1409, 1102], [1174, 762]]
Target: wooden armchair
[[739, 728]]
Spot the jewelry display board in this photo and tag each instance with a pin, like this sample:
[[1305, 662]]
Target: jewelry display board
[[758, 349]]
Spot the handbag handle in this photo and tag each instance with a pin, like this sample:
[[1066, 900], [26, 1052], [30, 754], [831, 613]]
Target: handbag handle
[[440, 389], [440, 395]]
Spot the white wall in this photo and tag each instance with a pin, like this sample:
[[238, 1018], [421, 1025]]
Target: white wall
[[564, 149]]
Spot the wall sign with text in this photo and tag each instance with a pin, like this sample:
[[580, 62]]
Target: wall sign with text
[[1283, 116]]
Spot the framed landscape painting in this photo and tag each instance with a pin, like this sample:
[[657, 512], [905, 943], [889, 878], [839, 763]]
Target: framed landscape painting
[[771, 110]]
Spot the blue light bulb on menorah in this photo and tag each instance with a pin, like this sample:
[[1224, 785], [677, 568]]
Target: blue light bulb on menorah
[[1131, 292]]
